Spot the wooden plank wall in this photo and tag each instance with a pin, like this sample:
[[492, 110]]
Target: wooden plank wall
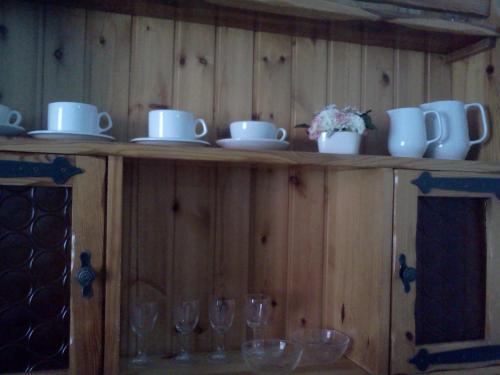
[[193, 230]]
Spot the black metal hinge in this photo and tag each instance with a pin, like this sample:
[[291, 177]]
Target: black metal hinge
[[60, 170]]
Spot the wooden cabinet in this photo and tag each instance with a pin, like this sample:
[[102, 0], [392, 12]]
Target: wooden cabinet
[[445, 285], [49, 225]]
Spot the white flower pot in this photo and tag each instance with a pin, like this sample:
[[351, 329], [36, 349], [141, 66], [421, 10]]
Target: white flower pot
[[339, 143]]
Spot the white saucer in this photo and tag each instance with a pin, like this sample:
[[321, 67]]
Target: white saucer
[[253, 144], [11, 130], [170, 142], [49, 134]]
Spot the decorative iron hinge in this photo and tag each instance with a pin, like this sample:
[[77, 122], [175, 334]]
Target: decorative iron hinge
[[468, 184], [423, 359], [60, 170], [406, 274]]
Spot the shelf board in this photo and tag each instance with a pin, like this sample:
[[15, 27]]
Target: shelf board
[[213, 154], [342, 21], [161, 366]]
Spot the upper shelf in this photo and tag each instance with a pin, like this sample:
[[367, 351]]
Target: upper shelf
[[212, 154], [389, 23]]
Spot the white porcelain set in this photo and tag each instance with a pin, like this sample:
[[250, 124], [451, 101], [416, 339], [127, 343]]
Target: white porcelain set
[[446, 123], [255, 135], [173, 127], [73, 120]]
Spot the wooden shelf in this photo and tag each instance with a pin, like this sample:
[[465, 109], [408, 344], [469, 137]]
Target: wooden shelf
[[213, 154], [370, 23], [160, 366]]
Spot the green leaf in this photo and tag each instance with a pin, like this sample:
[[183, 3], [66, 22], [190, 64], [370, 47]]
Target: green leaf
[[368, 120]]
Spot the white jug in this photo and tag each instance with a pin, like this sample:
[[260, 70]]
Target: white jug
[[455, 142]]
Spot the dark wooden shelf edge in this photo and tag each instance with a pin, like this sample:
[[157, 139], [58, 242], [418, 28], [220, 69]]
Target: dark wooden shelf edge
[[213, 154], [376, 33]]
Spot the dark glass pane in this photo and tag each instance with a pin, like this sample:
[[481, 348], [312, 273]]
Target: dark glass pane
[[451, 270], [35, 255]]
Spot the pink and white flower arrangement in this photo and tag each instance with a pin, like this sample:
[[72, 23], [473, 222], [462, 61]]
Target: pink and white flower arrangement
[[332, 119]]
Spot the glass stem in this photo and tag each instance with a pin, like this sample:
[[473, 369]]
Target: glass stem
[[141, 352], [257, 333], [219, 342], [184, 343]]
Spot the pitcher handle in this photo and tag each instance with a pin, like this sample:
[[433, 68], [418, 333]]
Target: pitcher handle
[[484, 122], [440, 131], [108, 118]]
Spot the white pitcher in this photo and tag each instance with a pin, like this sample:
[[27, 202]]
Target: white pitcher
[[408, 135], [455, 142]]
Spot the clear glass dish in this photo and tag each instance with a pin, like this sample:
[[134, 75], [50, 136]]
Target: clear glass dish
[[277, 357], [321, 346]]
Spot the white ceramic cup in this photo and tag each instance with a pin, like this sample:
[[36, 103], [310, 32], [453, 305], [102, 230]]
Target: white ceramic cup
[[408, 134], [455, 142], [9, 116], [256, 130], [73, 117], [169, 123]]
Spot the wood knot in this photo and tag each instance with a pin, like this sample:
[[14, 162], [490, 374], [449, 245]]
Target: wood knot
[[265, 59], [263, 239], [282, 59], [182, 60], [3, 32], [58, 54], [409, 336], [198, 330], [255, 116], [342, 314], [102, 40], [303, 322], [202, 61], [274, 303], [148, 28], [294, 180], [386, 79], [490, 69], [175, 206], [271, 116]]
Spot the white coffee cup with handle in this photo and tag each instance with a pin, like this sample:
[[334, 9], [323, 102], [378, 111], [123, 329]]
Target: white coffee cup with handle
[[256, 130], [408, 134], [9, 116], [74, 117], [174, 124]]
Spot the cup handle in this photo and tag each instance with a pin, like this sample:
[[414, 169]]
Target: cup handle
[[484, 122], [283, 134], [108, 117], [203, 124], [441, 129], [18, 119]]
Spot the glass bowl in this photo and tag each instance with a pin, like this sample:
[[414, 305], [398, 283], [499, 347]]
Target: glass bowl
[[321, 346], [278, 357]]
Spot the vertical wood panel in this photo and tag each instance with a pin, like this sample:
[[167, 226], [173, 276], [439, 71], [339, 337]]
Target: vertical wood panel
[[194, 241], [306, 255], [232, 244], [438, 78], [155, 245], [64, 55], [151, 75], [378, 95], [491, 150], [309, 67], [344, 74], [272, 88], [108, 64], [194, 71], [410, 78], [233, 101], [358, 264], [233, 78], [20, 59]]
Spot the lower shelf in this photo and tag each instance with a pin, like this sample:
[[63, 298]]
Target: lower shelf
[[161, 365]]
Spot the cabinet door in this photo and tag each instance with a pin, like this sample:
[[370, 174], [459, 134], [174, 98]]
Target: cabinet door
[[445, 285], [46, 322]]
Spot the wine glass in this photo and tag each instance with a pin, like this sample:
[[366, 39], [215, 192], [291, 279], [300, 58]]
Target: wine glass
[[186, 316], [221, 314], [143, 319], [257, 312]]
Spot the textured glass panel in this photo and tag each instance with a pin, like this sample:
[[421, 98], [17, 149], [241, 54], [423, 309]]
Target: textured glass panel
[[451, 270], [35, 245]]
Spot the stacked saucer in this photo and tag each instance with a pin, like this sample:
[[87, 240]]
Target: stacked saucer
[[255, 135]]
